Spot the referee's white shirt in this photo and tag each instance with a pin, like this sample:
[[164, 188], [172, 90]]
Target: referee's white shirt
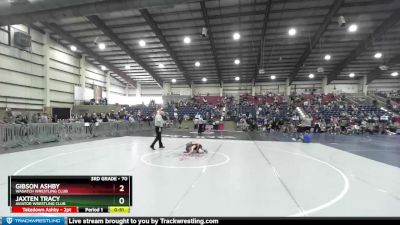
[[158, 121]]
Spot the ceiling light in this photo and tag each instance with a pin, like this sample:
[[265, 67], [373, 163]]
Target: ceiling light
[[327, 57], [127, 67], [102, 46], [378, 55], [187, 40], [273, 77], [204, 79], [237, 61], [394, 74], [142, 43], [353, 28], [73, 48], [160, 65], [292, 32], [197, 64], [236, 36], [311, 75], [103, 67], [352, 75], [173, 80], [237, 78]]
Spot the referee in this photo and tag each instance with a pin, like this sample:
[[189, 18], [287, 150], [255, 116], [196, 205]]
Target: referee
[[159, 123]]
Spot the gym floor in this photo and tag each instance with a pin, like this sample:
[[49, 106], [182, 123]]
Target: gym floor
[[244, 174]]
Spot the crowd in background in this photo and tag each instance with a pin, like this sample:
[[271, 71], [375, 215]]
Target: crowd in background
[[337, 116], [269, 113], [10, 118], [392, 99], [102, 101], [393, 95]]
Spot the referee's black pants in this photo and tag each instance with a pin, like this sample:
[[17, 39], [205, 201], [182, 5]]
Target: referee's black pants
[[158, 137]]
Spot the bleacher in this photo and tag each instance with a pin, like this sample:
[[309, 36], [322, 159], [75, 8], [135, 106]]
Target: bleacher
[[251, 110], [169, 111], [283, 112], [364, 109], [191, 111], [359, 100], [388, 96], [144, 110], [328, 98], [261, 100], [211, 100], [325, 99], [188, 110], [391, 100], [265, 107]]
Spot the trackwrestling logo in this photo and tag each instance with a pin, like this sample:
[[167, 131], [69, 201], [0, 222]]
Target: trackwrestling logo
[[33, 220]]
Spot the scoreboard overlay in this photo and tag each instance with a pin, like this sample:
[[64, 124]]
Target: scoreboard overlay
[[70, 194]]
